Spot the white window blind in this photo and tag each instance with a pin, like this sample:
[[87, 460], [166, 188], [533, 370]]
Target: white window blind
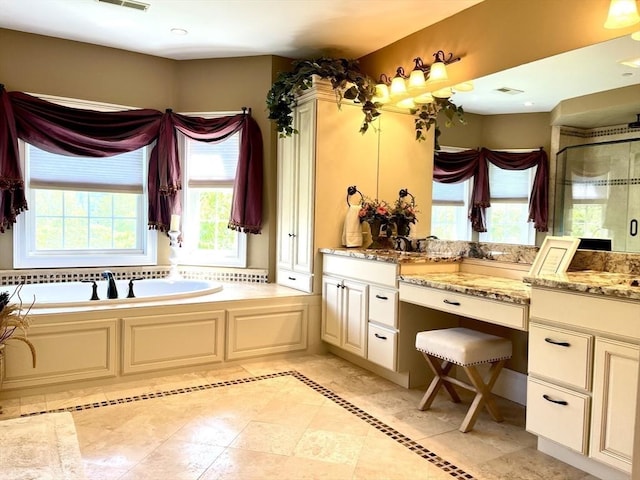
[[448, 193], [510, 184], [213, 163], [120, 173]]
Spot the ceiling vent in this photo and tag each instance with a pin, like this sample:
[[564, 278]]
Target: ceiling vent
[[143, 7], [509, 91]]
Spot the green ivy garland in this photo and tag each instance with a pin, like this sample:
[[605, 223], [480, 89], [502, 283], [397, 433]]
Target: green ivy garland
[[348, 82]]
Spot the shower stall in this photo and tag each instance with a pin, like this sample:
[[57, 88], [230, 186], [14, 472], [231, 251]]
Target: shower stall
[[598, 192]]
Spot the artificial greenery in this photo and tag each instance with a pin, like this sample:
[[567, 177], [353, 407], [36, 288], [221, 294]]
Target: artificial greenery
[[346, 79], [427, 116], [348, 82]]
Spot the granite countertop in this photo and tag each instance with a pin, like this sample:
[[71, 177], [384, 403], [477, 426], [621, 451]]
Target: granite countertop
[[393, 256], [486, 286], [620, 285]]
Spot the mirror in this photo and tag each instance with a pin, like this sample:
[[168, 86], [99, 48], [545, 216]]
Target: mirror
[[587, 89]]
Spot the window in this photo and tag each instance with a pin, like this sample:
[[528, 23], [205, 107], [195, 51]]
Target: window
[[507, 218], [588, 197], [450, 211], [83, 211], [210, 170]]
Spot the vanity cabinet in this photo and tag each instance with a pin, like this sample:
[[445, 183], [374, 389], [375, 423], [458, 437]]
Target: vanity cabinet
[[583, 374], [344, 314], [360, 307]]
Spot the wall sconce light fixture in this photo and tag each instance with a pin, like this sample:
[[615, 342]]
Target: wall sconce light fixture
[[421, 85], [622, 13]]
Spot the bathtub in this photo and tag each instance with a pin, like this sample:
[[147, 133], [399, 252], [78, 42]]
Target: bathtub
[[75, 294]]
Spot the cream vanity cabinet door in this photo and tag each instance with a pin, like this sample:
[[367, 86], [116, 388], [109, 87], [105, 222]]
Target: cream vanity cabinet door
[[614, 402], [344, 314], [295, 202]]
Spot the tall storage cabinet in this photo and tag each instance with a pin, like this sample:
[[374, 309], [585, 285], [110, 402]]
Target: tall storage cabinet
[[295, 202], [325, 157]]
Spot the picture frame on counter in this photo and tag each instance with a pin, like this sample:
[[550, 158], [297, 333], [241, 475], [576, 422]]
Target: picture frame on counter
[[554, 255]]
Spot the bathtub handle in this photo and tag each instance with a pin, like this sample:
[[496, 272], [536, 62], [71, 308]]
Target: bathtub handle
[[130, 294], [94, 287]]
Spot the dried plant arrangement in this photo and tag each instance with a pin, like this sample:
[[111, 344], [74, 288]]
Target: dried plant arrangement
[[14, 322]]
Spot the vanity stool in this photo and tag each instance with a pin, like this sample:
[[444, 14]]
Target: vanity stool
[[468, 349]]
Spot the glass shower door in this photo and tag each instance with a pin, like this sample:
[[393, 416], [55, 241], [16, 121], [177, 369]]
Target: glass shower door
[[598, 194]]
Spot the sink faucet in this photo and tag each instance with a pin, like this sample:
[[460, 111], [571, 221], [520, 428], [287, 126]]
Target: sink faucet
[[112, 291]]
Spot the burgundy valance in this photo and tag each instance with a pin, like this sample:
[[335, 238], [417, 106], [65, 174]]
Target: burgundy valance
[[455, 167], [78, 132]]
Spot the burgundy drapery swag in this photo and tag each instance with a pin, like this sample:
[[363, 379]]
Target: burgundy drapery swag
[[78, 132], [459, 166]]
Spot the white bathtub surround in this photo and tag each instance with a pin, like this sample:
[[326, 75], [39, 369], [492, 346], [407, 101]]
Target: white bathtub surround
[[111, 341], [43, 446]]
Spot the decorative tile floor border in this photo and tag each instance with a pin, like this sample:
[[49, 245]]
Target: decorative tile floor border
[[391, 432]]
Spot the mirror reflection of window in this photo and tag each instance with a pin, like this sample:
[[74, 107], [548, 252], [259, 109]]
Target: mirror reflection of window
[[450, 211], [507, 218]]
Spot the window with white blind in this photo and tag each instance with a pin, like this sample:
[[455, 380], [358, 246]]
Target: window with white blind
[[210, 170], [450, 211], [83, 211], [507, 218], [587, 197]]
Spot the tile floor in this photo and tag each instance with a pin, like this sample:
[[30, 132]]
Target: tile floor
[[308, 417]]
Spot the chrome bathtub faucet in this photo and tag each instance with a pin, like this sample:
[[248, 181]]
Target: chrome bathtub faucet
[[112, 291]]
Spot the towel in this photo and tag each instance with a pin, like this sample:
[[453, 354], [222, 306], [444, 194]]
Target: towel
[[352, 232]]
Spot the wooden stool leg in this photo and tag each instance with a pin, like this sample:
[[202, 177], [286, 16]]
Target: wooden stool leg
[[483, 395], [437, 382]]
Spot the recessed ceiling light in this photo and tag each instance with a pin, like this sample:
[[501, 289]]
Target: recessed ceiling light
[[179, 31], [528, 104]]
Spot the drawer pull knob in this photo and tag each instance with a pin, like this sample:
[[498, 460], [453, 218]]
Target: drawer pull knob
[[292, 278], [382, 297], [559, 402], [449, 302], [554, 342], [381, 337]]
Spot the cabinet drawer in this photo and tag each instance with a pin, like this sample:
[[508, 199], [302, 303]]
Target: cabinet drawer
[[299, 281], [383, 306], [381, 347], [591, 312], [364, 270], [511, 315], [560, 355], [558, 414]]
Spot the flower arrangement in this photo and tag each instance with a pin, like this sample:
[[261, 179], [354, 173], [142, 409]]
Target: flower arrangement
[[14, 323], [374, 209], [404, 210]]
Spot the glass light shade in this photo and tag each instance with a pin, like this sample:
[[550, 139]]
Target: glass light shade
[[464, 86], [443, 93], [423, 99], [622, 13], [398, 87], [416, 80], [438, 72], [636, 35], [382, 93], [406, 103]]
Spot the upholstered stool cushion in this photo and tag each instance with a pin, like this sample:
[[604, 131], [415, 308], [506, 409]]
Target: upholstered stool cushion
[[463, 346]]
